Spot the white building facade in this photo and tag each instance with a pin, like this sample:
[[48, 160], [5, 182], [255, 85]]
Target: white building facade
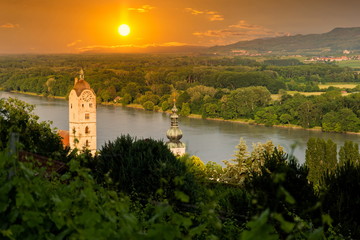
[[82, 116]]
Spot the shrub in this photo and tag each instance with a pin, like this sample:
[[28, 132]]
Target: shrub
[[145, 167], [185, 110], [37, 137], [126, 99], [149, 105], [234, 202], [340, 195], [33, 207], [282, 187], [165, 106]]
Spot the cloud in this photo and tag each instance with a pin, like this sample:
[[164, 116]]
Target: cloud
[[172, 44], [194, 12], [9, 25], [142, 9], [216, 17], [242, 24], [73, 43], [129, 46], [242, 31], [212, 15]]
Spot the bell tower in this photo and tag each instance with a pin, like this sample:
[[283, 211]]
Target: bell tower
[[82, 115]]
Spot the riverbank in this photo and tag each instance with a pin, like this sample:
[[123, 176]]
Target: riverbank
[[38, 94], [240, 121]]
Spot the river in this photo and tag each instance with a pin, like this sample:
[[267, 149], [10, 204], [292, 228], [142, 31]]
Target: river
[[208, 139]]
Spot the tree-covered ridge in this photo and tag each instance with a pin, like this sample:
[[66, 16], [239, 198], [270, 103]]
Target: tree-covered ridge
[[137, 189], [215, 87]]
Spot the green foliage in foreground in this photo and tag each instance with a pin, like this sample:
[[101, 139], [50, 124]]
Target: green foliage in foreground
[[74, 206], [341, 198], [17, 117], [71, 206]]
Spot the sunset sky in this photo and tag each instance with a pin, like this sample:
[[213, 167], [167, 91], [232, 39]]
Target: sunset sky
[[74, 26]]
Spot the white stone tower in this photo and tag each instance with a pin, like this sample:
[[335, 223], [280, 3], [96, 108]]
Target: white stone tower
[[174, 134], [82, 115]]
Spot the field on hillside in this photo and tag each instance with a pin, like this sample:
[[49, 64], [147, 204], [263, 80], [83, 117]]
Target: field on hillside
[[310, 93], [276, 97], [338, 85], [305, 93], [350, 63]]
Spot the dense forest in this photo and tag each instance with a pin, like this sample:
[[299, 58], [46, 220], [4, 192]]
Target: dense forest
[[122, 193], [213, 87]]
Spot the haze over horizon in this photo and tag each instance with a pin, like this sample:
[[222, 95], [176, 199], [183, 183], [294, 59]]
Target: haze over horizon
[[40, 26]]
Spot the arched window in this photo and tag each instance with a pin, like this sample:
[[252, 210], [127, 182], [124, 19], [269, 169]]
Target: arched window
[[87, 130], [71, 105], [87, 143]]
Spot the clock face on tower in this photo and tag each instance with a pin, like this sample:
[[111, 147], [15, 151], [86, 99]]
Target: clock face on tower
[[87, 96]]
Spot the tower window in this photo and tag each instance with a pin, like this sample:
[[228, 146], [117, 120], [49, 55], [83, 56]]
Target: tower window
[[87, 143], [82, 105], [87, 116], [71, 105], [87, 130], [90, 104]]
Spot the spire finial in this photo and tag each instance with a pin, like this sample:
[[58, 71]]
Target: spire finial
[[174, 109], [81, 74]]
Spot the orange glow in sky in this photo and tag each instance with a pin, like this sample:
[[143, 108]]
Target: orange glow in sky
[[75, 26]]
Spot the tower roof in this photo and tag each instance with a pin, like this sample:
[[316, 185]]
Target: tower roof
[[80, 85]]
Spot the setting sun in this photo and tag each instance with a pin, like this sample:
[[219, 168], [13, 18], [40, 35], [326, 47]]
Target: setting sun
[[124, 29]]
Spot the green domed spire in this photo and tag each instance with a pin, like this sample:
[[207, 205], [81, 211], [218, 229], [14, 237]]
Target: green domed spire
[[174, 134]]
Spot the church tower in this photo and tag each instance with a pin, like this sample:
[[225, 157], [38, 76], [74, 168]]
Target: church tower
[[82, 115], [174, 134]]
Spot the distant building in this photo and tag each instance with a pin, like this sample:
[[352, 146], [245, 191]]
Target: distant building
[[241, 52], [174, 134], [328, 59], [82, 115]]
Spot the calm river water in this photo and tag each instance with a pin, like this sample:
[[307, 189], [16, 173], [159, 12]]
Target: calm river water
[[207, 139]]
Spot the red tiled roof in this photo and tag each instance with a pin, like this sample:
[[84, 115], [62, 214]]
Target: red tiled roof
[[65, 138]]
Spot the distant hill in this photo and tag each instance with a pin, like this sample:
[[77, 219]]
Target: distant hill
[[150, 49], [337, 40]]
